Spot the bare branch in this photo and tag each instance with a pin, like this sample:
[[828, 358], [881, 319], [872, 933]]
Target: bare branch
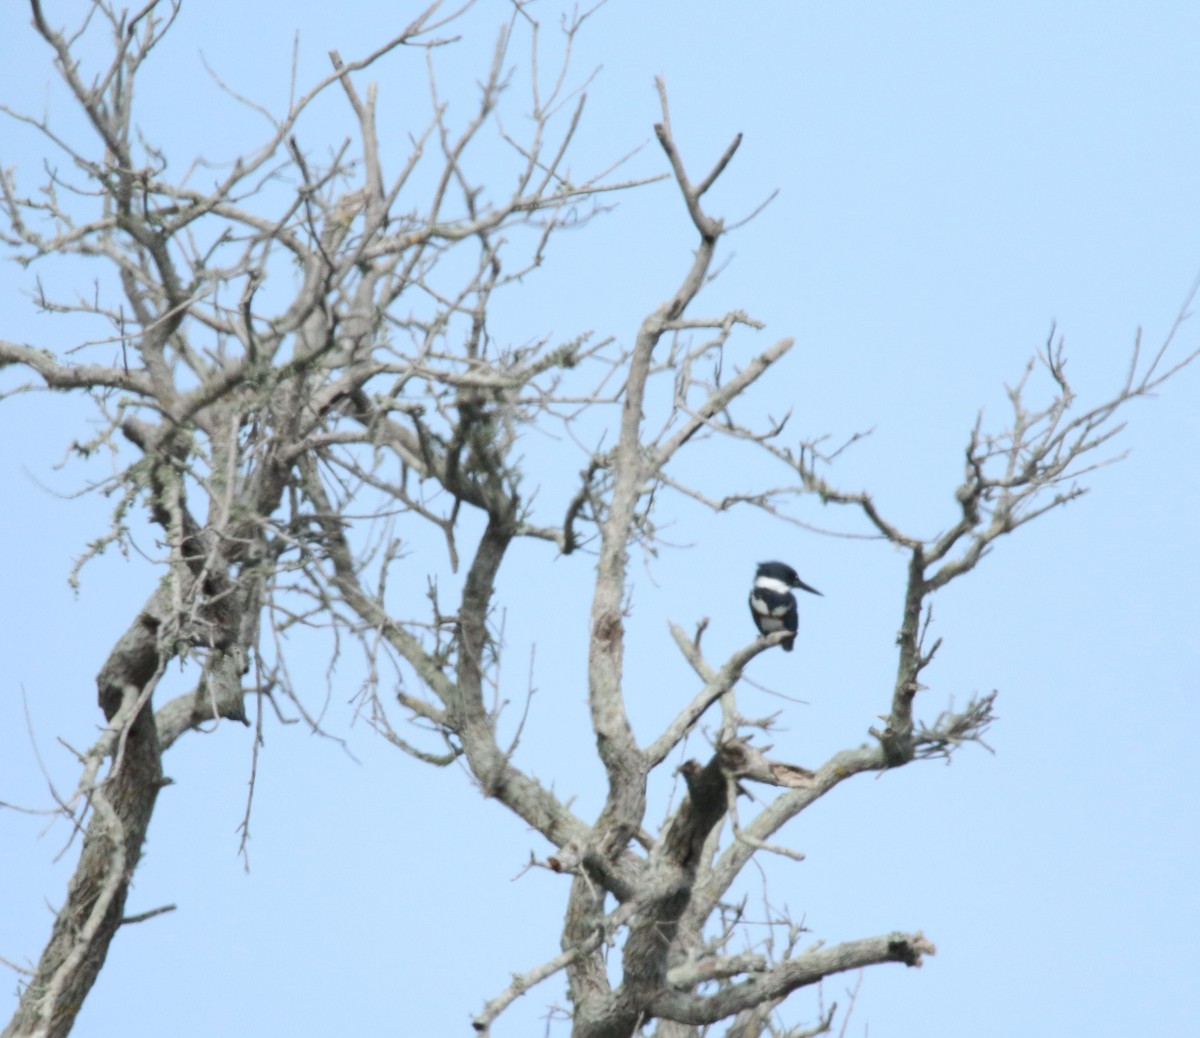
[[801, 971]]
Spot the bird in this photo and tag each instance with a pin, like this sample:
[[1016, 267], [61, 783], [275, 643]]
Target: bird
[[772, 603]]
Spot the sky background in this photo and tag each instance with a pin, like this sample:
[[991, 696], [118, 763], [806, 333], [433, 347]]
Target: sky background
[[954, 180]]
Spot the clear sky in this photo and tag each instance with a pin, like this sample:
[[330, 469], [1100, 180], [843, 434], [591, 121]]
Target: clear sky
[[953, 180]]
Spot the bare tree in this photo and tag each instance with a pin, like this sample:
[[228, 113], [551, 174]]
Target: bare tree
[[304, 342]]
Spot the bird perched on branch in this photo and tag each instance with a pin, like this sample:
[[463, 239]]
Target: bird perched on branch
[[772, 603]]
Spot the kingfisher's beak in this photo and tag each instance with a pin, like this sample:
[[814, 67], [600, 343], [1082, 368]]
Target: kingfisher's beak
[[804, 587]]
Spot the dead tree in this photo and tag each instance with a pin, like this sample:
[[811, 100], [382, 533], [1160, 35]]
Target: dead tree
[[306, 340]]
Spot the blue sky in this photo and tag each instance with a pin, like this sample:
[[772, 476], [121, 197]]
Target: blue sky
[[953, 180]]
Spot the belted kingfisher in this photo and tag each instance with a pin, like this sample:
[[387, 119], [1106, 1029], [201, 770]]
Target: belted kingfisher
[[772, 603]]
